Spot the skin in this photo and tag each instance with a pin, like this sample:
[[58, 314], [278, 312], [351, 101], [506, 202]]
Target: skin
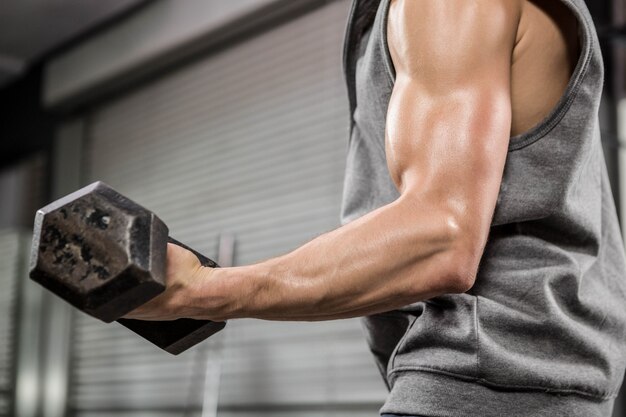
[[544, 57], [469, 74]]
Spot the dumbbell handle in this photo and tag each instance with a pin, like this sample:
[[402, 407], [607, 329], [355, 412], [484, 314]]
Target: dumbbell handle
[[179, 335]]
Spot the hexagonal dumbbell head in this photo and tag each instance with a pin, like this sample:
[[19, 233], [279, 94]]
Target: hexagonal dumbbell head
[[99, 251]]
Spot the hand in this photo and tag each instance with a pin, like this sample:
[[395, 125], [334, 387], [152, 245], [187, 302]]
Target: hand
[[183, 278]]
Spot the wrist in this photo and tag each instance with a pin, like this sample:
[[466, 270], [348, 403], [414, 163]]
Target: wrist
[[218, 294], [198, 298], [237, 292]]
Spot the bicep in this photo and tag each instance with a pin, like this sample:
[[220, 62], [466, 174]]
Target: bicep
[[449, 116]]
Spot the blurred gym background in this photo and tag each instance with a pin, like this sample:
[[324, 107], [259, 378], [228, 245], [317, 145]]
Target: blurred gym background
[[228, 118]]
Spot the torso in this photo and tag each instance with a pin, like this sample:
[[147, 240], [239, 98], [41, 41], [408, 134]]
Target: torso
[[551, 266], [544, 58]]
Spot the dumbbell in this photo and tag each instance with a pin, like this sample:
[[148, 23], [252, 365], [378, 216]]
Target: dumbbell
[[105, 255]]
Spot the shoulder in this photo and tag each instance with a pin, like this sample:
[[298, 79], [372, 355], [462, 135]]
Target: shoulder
[[462, 31], [502, 13]]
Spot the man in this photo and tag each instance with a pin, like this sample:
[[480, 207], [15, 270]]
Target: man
[[480, 239]]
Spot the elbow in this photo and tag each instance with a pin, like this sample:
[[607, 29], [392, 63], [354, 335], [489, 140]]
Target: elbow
[[453, 245], [462, 259], [461, 274]]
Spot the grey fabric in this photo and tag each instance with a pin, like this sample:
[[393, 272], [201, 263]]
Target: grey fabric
[[543, 330], [398, 415]]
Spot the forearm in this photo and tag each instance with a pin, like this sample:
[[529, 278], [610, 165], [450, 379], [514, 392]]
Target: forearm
[[391, 257]]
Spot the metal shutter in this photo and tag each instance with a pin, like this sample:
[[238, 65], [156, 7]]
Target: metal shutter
[[9, 268], [250, 142]]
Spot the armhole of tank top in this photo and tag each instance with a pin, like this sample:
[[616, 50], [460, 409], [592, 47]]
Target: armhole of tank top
[[558, 111], [562, 106], [388, 62]]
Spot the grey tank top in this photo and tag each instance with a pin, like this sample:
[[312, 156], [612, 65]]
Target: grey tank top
[[545, 324]]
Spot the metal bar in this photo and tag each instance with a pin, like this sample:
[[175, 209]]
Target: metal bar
[[58, 315], [28, 384]]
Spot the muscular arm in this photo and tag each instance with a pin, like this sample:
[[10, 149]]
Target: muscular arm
[[447, 133]]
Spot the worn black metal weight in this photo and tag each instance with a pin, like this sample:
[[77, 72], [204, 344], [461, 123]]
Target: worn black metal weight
[[105, 255]]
